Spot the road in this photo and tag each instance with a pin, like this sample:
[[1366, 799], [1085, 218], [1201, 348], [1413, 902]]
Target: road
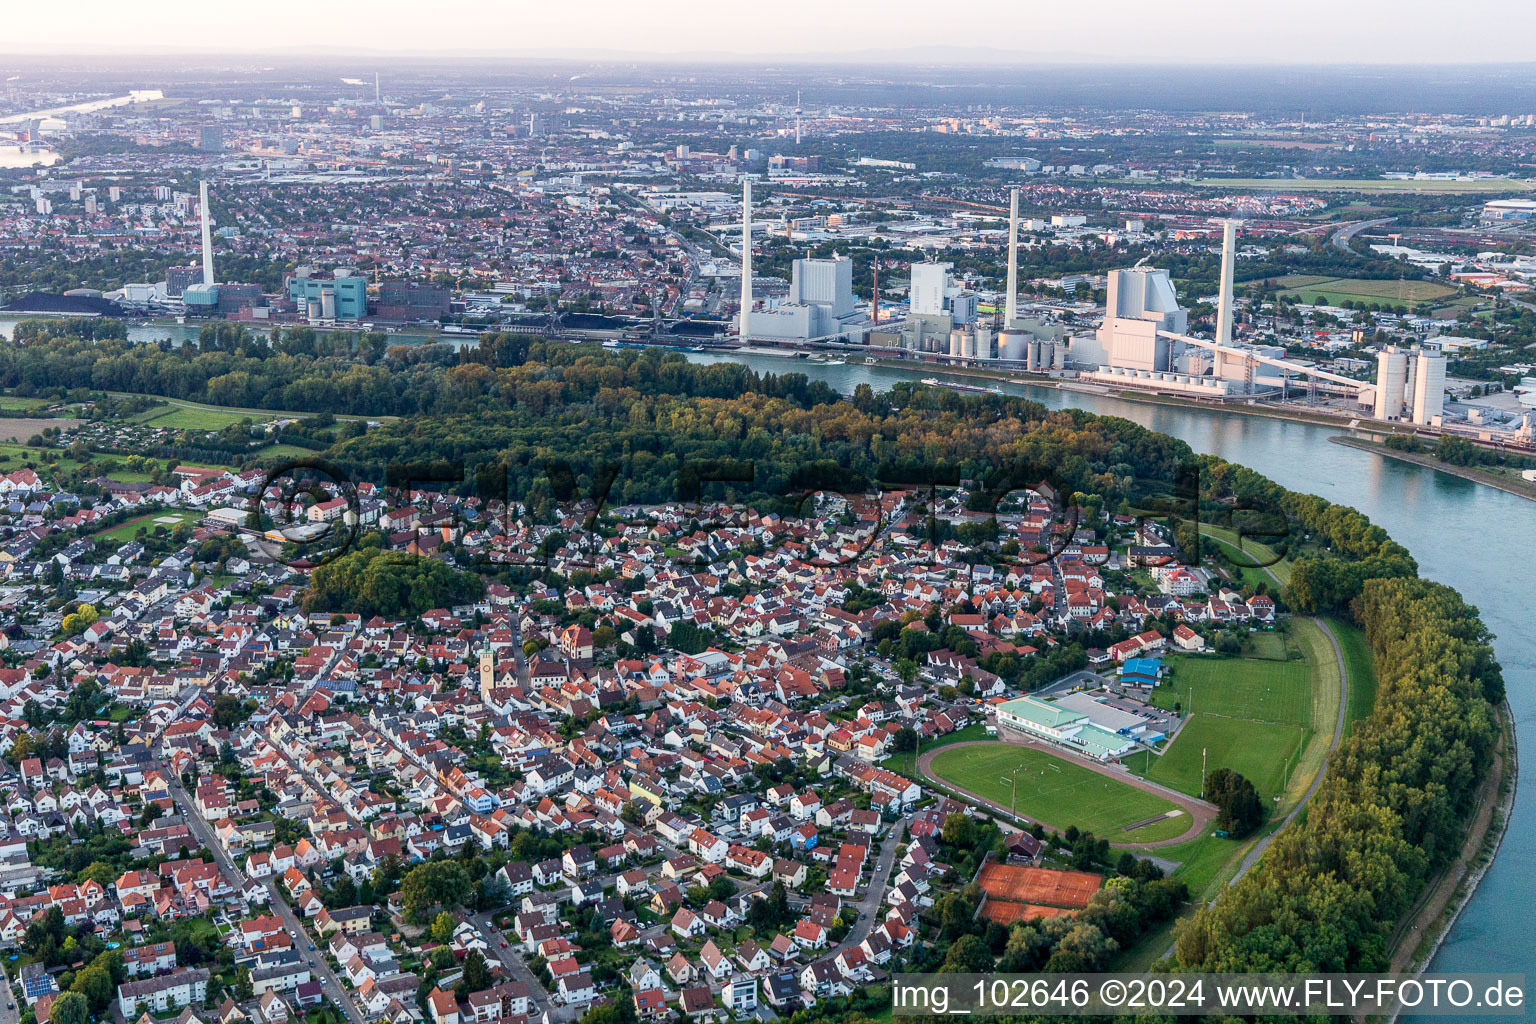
[[320, 791], [10, 1013], [1342, 236], [879, 881], [301, 938], [512, 960]]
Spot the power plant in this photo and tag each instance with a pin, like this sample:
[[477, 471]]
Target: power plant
[[1143, 341], [820, 306]]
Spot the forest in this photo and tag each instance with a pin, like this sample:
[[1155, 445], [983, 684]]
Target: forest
[[371, 581]]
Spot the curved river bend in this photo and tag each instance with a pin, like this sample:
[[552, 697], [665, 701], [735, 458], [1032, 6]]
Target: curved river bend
[[1477, 539]]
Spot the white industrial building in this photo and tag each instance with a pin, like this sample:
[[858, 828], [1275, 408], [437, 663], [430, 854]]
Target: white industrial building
[[820, 305], [935, 292], [1141, 302], [1410, 385]]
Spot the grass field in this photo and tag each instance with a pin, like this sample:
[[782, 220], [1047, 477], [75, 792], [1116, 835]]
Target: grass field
[[178, 418], [14, 456], [1365, 185], [289, 451], [1249, 714], [240, 412], [1362, 672], [1248, 553], [1057, 792], [903, 764], [1270, 646], [125, 532], [1207, 863], [1241, 563], [1334, 290]]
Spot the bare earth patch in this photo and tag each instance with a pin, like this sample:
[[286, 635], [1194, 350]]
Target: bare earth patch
[[21, 429]]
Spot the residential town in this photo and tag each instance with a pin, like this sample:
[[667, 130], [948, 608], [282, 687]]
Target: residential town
[[676, 780]]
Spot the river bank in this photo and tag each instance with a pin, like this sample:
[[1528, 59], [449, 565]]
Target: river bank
[[1477, 474], [1278, 412], [1421, 934]]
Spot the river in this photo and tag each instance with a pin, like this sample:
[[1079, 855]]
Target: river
[[1454, 528]]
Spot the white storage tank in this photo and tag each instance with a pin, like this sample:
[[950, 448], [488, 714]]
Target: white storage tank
[[1013, 345]]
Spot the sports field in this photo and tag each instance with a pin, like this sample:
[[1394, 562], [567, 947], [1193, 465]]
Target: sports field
[[1251, 715], [168, 518], [1334, 290], [1057, 792]]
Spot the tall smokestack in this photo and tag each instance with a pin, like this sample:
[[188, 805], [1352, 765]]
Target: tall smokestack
[[1228, 255], [746, 258], [1012, 313], [797, 117], [376, 98], [874, 304], [207, 234]]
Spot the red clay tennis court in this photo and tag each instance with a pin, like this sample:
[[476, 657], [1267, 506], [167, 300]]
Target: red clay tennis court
[[1047, 887], [1004, 912]]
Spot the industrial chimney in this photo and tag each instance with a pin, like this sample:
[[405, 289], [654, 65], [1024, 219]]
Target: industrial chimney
[[1012, 309], [207, 234], [746, 258], [1228, 255]]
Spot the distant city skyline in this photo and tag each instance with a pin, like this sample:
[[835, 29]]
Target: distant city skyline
[[1185, 32]]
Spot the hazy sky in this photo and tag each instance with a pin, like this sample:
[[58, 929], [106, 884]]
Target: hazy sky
[[1126, 31]]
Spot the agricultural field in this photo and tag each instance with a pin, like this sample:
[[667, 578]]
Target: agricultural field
[[1307, 288], [19, 429], [1057, 792], [1253, 715], [1366, 185]]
